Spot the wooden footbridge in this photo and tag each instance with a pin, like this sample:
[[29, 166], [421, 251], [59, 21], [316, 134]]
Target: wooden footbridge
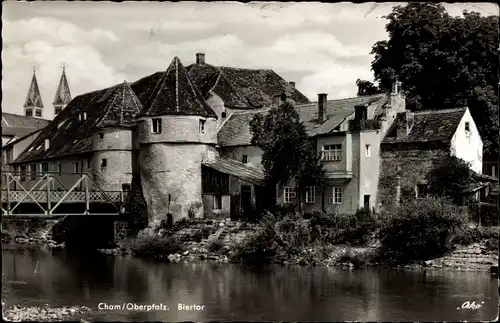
[[45, 196]]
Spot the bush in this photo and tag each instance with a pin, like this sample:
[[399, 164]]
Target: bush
[[466, 236], [487, 212], [340, 228], [420, 230], [215, 246], [155, 247]]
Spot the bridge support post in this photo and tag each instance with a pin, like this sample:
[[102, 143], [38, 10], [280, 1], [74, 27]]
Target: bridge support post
[[49, 211], [87, 195], [8, 193]]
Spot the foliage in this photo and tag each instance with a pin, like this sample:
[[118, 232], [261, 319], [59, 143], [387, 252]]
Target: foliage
[[367, 88], [287, 151], [421, 229], [488, 213], [343, 228], [443, 62], [215, 246], [135, 206], [449, 177], [155, 247], [467, 235]]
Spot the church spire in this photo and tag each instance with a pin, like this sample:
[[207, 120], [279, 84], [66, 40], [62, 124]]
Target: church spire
[[33, 101], [63, 95]]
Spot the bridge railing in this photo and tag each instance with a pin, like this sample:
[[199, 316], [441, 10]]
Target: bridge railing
[[15, 191]]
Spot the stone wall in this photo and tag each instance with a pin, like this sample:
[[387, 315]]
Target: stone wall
[[121, 230], [473, 257], [404, 169]]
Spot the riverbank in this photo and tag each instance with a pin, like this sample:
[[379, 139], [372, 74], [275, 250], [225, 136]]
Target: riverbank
[[17, 313], [30, 241], [223, 241]]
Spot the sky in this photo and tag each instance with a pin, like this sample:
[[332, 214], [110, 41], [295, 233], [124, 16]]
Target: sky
[[322, 47]]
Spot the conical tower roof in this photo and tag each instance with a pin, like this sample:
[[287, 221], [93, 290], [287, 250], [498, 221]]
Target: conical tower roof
[[63, 95], [121, 109], [176, 94], [33, 99]]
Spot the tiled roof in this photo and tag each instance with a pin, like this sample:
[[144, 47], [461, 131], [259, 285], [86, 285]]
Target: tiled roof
[[242, 87], [63, 94], [69, 135], [235, 168], [121, 110], [336, 112], [19, 138], [20, 121], [428, 126], [236, 130], [175, 94], [34, 98]]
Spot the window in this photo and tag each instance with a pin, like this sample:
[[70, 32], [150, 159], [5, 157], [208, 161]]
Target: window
[[332, 152], [58, 109], [244, 159], [38, 112], [337, 195], [101, 135], [89, 163], [85, 116], [217, 203], [288, 194], [23, 173], [45, 167], [104, 162], [310, 194], [367, 150], [29, 112], [10, 155], [421, 191], [59, 168], [76, 168], [467, 126], [33, 172], [156, 126], [223, 115], [202, 126], [126, 188], [493, 171]]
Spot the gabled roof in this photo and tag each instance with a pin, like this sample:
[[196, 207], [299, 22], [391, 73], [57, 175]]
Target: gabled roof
[[175, 94], [33, 99], [242, 87], [18, 126], [337, 111], [63, 95], [428, 126], [236, 130], [69, 135], [235, 168]]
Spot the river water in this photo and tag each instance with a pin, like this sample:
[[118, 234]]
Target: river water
[[34, 277]]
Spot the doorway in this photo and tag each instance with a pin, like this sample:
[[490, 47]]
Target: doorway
[[246, 199], [366, 203]]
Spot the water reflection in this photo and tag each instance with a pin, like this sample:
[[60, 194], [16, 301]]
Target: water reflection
[[234, 292]]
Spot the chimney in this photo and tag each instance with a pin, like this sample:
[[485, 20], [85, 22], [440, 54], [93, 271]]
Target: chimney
[[292, 84], [46, 144], [404, 124], [322, 99], [200, 58]]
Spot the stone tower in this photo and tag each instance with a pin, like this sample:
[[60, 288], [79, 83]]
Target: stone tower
[[63, 95], [33, 105], [114, 140], [176, 132]]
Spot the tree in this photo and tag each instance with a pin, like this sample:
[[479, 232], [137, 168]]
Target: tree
[[366, 88], [450, 177], [443, 62], [287, 151]]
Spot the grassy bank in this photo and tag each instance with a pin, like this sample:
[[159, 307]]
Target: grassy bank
[[416, 233]]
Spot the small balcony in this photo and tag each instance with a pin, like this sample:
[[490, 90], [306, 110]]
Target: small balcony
[[358, 125]]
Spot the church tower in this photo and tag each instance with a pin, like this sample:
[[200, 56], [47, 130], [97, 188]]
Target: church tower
[[63, 95], [33, 105]]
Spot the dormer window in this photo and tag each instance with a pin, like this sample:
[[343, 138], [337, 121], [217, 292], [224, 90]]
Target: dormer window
[[202, 126], [467, 126], [156, 125], [84, 117], [223, 115]]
